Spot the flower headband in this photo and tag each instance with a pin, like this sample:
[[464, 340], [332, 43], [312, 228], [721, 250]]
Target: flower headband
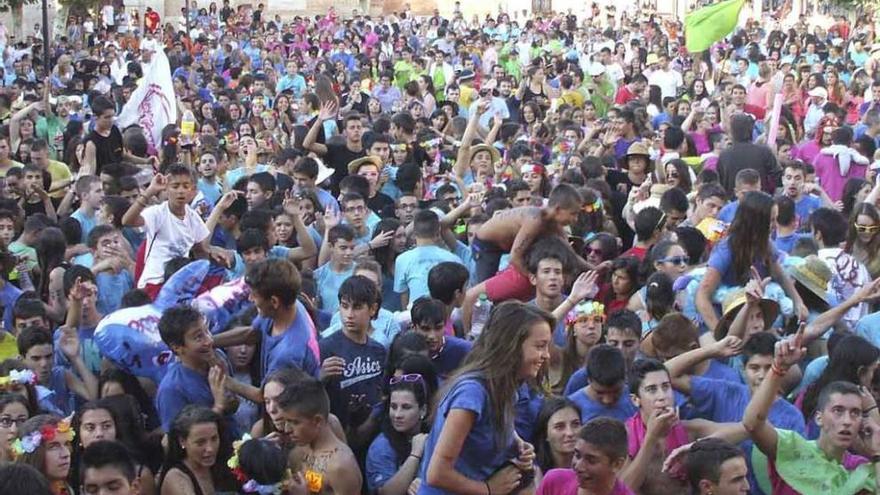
[[594, 206], [32, 441], [18, 377], [431, 143], [250, 485], [399, 147], [531, 169], [588, 308]]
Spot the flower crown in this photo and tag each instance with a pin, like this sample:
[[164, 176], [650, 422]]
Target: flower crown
[[250, 485], [584, 309], [32, 441], [18, 377]]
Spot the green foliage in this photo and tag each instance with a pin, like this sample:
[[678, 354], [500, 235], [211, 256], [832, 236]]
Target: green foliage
[[6, 5]]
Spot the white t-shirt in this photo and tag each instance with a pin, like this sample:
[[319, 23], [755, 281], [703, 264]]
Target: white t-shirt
[[107, 14], [668, 80], [168, 237]]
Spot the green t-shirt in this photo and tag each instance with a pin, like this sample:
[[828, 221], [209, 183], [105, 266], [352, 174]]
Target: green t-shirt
[[52, 130]]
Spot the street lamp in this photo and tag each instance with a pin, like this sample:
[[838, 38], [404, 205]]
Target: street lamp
[[46, 62]]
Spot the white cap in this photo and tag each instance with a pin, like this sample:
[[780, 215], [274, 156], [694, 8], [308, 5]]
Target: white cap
[[596, 69], [819, 91]]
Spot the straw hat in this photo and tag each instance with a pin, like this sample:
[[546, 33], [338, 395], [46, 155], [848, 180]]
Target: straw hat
[[652, 59], [496, 156], [814, 275], [355, 165], [736, 300]]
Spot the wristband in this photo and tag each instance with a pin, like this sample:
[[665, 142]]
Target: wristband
[[776, 370], [417, 457], [868, 410], [488, 488]]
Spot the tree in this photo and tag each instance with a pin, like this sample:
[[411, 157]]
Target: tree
[[16, 7]]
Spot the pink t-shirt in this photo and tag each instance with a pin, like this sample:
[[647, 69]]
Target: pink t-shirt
[[564, 482], [831, 180]]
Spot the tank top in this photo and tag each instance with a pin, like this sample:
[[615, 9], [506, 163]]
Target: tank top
[[197, 489], [108, 149]]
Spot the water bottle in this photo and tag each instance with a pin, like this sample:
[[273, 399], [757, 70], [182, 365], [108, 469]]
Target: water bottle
[[187, 128], [480, 316]]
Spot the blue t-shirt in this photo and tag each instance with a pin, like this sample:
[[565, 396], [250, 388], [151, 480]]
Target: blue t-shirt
[[868, 328], [328, 282], [786, 243], [528, 405], [450, 356], [210, 190], [558, 332], [180, 387], [721, 260], [390, 299], [590, 409], [88, 349], [87, 223], [481, 455], [361, 382], [385, 327], [111, 288], [382, 463], [9, 294], [578, 380], [59, 398], [411, 269], [806, 206], [291, 348], [725, 402], [728, 211], [238, 266]]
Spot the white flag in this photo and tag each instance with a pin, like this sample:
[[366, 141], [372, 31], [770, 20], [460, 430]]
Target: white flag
[[153, 104]]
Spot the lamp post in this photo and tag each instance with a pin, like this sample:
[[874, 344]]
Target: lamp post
[[46, 62]]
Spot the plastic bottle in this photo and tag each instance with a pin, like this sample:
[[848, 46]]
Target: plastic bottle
[[187, 128], [480, 316]]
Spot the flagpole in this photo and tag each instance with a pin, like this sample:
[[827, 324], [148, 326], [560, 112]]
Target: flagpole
[[46, 62]]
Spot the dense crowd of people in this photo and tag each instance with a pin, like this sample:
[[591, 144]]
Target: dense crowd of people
[[522, 253]]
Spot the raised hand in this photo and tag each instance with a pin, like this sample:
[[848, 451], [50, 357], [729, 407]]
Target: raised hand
[[869, 292], [382, 239], [157, 185], [661, 422], [790, 351], [585, 286], [69, 343], [328, 110], [727, 347], [228, 198], [81, 290], [217, 382]]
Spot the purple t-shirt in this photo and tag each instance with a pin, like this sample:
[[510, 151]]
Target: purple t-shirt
[[828, 172], [564, 482]]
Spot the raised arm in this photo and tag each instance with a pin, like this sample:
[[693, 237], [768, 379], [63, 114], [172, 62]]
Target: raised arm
[[788, 353], [525, 237], [310, 142], [826, 320], [707, 287], [132, 216], [307, 247], [462, 159], [680, 366]]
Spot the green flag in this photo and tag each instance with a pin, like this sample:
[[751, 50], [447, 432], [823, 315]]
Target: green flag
[[710, 24]]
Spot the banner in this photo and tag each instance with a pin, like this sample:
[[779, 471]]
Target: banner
[[153, 105], [710, 24]]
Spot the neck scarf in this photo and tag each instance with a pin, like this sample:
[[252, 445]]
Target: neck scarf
[[845, 157]]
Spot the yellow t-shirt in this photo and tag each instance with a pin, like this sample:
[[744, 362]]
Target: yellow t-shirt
[[573, 98], [61, 178], [8, 346]]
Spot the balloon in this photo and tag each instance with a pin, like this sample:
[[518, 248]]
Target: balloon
[[222, 303], [130, 338]]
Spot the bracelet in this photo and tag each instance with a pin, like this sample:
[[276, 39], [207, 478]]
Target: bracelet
[[488, 488], [417, 457], [776, 370], [866, 411]]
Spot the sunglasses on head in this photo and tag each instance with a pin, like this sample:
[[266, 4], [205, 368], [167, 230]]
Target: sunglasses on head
[[409, 378], [866, 229], [431, 143]]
